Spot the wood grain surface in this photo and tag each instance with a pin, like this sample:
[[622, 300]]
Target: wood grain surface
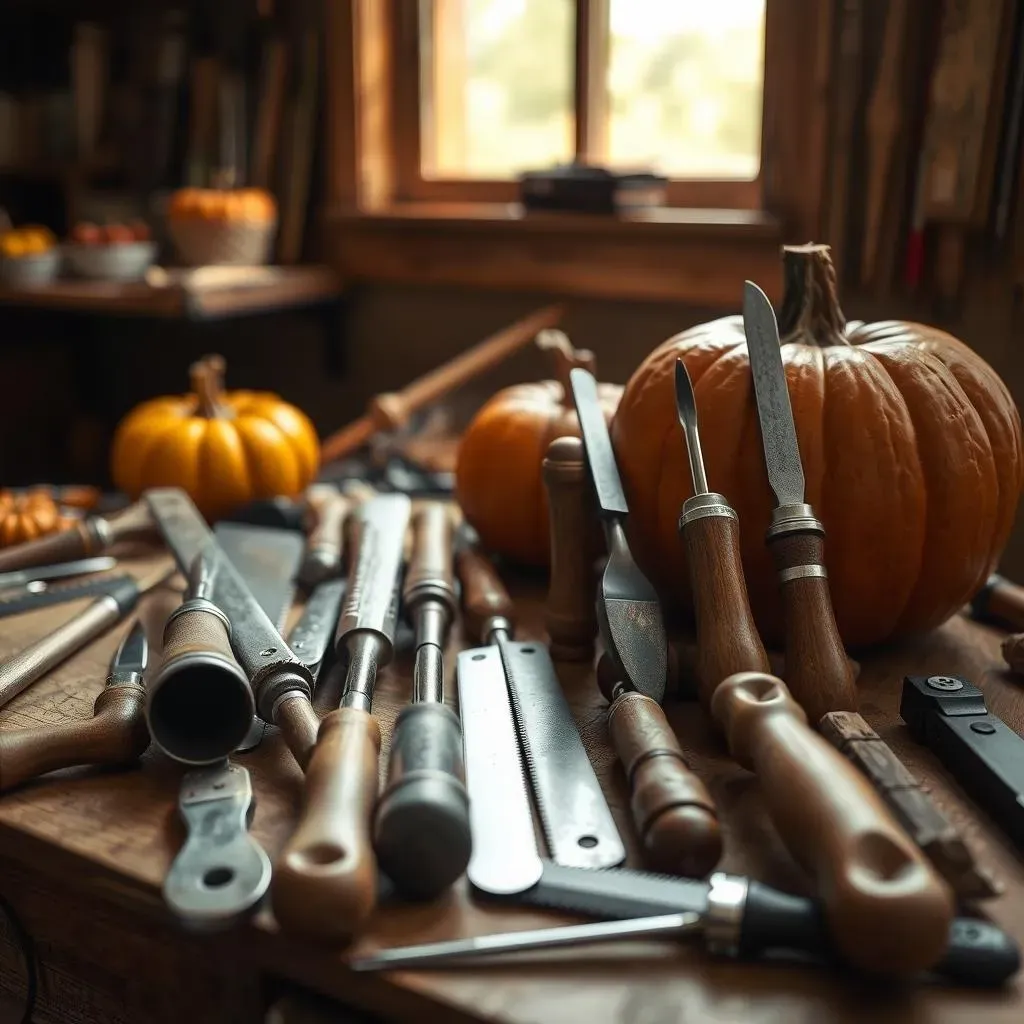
[[104, 840]]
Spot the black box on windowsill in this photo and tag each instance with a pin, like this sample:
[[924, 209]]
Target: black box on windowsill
[[583, 189]]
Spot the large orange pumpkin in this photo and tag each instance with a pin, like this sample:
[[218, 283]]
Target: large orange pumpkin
[[223, 448], [911, 447], [498, 479]]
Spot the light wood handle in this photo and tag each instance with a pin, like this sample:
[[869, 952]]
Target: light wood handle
[[390, 411], [818, 672], [325, 882], [727, 639], [673, 812], [430, 565], [115, 735], [324, 541], [888, 912], [570, 613], [484, 596]]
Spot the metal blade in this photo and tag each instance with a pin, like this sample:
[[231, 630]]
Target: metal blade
[[778, 434], [504, 858], [439, 953], [133, 654], [81, 567], [311, 635], [686, 407], [598, 445], [578, 825], [41, 595]]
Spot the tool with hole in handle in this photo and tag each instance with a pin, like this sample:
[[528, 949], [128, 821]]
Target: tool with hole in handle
[[727, 639], [421, 828], [817, 669], [325, 881], [887, 910], [115, 735]]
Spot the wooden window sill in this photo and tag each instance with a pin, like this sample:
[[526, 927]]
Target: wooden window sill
[[697, 256]]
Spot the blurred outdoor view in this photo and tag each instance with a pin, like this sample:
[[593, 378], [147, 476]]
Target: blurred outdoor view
[[684, 87]]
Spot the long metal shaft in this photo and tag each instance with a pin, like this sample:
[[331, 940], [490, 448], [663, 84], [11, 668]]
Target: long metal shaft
[[364, 651], [432, 620]]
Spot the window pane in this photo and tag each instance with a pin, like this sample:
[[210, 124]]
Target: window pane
[[497, 86], [685, 81]]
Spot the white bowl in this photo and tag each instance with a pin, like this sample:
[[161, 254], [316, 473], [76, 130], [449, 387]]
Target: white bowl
[[31, 269], [120, 261]]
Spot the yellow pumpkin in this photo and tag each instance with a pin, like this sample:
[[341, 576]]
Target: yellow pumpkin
[[223, 448], [26, 516], [242, 205]]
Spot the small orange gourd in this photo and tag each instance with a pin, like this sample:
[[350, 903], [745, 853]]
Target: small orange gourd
[[27, 515], [241, 205], [498, 479], [224, 448]]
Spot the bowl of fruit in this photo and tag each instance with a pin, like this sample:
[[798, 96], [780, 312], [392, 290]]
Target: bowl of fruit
[[28, 256], [111, 252]]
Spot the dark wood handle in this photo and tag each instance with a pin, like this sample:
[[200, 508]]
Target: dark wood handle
[[430, 564], [570, 613], [299, 726], [115, 735], [322, 558], [1002, 602], [818, 672], [727, 639], [674, 814], [77, 542], [484, 596], [888, 911], [325, 882], [133, 523]]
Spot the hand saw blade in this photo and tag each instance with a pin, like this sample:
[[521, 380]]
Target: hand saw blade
[[504, 858], [578, 824]]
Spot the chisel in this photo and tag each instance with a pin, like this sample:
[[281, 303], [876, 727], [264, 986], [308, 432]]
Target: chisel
[[817, 669], [421, 828], [325, 882]]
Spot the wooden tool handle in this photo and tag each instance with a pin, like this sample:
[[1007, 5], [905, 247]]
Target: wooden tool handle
[[570, 613], [1001, 601], [299, 726], [673, 812], [132, 523], [727, 639], [484, 596], [325, 882], [77, 542], [817, 670], [115, 735], [887, 910], [430, 565], [387, 412], [322, 558]]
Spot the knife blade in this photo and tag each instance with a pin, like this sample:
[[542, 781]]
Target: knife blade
[[17, 602], [604, 472], [131, 657], [774, 410], [81, 567]]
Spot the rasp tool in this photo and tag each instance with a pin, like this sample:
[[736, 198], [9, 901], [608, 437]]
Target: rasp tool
[[421, 828], [115, 735], [281, 684], [817, 670], [628, 612], [577, 823], [28, 665], [325, 882], [735, 916]]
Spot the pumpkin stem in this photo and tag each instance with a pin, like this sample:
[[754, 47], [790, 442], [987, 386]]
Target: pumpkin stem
[[207, 377], [810, 305], [565, 358]]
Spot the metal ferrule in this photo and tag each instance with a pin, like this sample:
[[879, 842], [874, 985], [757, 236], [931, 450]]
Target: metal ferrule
[[123, 679], [433, 592], [802, 572], [723, 920], [364, 657], [428, 675], [273, 682], [198, 604], [99, 532], [796, 518], [432, 620], [494, 625], [703, 506]]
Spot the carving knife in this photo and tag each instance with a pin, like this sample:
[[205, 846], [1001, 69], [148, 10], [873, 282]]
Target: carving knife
[[574, 814], [818, 672], [735, 916], [281, 684], [628, 612]]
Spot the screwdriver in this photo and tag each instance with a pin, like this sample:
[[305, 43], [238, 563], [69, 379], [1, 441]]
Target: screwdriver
[[325, 881], [422, 834]]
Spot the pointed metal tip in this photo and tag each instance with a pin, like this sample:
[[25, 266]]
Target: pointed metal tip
[[754, 298], [685, 404]]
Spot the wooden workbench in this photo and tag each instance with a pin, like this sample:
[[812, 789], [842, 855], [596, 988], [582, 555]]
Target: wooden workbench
[[83, 855]]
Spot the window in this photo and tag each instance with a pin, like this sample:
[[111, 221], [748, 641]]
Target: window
[[509, 85]]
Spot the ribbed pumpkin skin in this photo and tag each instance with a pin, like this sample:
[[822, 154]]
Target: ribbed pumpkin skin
[[911, 448], [27, 516], [260, 447], [498, 481]]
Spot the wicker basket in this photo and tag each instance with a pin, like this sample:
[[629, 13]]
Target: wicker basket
[[201, 242]]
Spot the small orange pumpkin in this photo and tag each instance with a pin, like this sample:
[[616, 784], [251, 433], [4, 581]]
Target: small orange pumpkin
[[498, 480], [911, 448], [242, 205], [27, 515], [223, 448]]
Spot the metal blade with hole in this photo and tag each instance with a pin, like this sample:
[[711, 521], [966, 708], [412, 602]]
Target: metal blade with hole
[[577, 821]]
